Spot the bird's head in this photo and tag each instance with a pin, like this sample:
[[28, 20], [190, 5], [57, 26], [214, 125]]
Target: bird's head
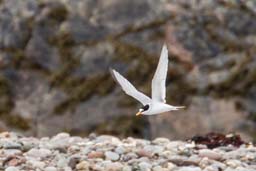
[[143, 109]]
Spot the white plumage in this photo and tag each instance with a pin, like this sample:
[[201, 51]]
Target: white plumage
[[156, 104]]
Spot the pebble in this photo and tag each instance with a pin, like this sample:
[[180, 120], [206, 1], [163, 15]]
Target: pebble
[[38, 153], [159, 168], [127, 168], [83, 165], [211, 168], [107, 153], [233, 163], [11, 168], [11, 152], [144, 166], [37, 164], [209, 154], [144, 153], [161, 141], [120, 150], [111, 155], [12, 145], [50, 169], [113, 166], [189, 168], [95, 154]]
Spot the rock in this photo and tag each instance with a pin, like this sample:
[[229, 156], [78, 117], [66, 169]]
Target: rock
[[12, 145], [233, 163], [129, 156], [50, 169], [11, 152], [113, 166], [111, 155], [40, 52], [73, 162], [15, 161], [120, 150], [144, 166], [159, 168], [95, 154], [38, 153], [37, 164], [210, 154], [67, 169], [211, 168], [11, 168], [156, 149], [161, 141], [83, 165], [144, 153], [127, 168], [14, 31], [188, 168]]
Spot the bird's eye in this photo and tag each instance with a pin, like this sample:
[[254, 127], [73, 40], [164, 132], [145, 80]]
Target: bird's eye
[[146, 107]]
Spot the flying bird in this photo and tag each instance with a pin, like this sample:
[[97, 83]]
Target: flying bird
[[157, 103]]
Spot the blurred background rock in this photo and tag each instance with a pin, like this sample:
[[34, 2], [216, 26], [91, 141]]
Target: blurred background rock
[[55, 56]]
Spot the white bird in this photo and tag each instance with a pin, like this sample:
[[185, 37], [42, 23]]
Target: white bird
[[156, 104]]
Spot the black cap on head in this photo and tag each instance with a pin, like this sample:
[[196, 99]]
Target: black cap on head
[[146, 107]]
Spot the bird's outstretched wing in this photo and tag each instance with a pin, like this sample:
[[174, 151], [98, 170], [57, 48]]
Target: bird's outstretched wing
[[129, 88], [159, 79]]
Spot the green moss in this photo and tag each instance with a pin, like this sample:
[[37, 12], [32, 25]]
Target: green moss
[[5, 96], [82, 89], [62, 40], [16, 121], [132, 29], [59, 13]]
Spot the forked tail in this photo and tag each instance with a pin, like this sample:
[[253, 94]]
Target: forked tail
[[178, 107]]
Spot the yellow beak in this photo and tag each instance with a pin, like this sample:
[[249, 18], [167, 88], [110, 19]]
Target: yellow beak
[[139, 113]]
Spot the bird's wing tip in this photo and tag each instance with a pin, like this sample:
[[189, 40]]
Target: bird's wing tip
[[165, 46]]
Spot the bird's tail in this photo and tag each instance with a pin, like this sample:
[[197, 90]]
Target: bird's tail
[[178, 107]]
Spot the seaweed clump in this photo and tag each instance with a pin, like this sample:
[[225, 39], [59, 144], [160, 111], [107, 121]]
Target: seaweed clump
[[214, 140]]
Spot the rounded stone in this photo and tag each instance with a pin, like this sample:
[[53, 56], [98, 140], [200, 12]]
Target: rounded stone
[[83, 165], [95, 154], [111, 155], [144, 166], [127, 168], [210, 154], [50, 169], [11, 168]]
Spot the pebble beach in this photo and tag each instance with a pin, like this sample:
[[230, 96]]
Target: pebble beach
[[63, 152]]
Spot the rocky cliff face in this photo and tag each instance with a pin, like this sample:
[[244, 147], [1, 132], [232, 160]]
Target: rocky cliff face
[[55, 57]]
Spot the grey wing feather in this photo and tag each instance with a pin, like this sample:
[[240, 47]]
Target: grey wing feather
[[159, 79], [129, 88]]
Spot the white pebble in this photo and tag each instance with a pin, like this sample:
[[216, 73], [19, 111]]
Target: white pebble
[[11, 168], [127, 168], [38, 153], [189, 168], [120, 150], [111, 156], [37, 164], [50, 169], [210, 154], [144, 166], [159, 168], [83, 165], [113, 166]]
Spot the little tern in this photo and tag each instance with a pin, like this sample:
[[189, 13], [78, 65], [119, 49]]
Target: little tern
[[156, 104]]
